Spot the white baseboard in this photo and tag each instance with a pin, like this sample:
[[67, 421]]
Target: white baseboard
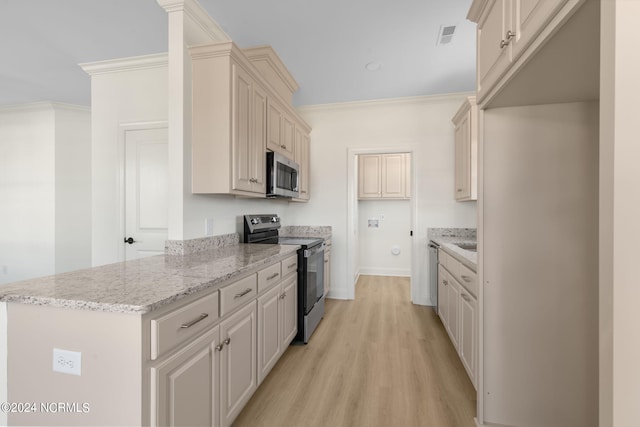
[[375, 271], [338, 294]]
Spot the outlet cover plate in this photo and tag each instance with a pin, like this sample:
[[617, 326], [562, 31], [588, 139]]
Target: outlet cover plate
[[67, 362]]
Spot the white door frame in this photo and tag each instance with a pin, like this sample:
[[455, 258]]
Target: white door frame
[[352, 216], [121, 193]]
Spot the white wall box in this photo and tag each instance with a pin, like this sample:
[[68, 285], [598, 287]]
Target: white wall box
[[384, 176], [466, 148]]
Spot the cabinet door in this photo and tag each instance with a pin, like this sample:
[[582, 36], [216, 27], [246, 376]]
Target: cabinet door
[[269, 331], [443, 295], [393, 176], [289, 305], [238, 362], [463, 158], [453, 319], [369, 179], [184, 388], [259, 139], [468, 334], [302, 158], [492, 56], [529, 17], [288, 142], [242, 144], [274, 117]]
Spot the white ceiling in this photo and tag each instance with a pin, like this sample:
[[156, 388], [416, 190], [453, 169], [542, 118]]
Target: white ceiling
[[325, 44]]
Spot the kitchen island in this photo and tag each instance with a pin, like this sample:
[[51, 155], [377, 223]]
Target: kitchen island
[[154, 337]]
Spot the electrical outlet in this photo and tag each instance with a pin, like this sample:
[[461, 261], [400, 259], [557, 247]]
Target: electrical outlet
[[208, 227], [67, 362]]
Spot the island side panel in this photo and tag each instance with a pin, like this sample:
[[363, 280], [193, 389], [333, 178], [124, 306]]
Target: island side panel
[[108, 391]]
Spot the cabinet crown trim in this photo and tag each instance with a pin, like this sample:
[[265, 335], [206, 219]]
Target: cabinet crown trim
[[476, 9], [269, 56]]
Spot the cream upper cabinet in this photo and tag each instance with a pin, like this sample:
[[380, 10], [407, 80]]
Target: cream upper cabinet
[[302, 148], [229, 123], [466, 150], [281, 130], [506, 28], [384, 176]]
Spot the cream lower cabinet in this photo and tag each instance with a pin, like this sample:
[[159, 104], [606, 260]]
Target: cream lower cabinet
[[185, 388], [457, 308], [277, 323], [238, 362], [327, 267]]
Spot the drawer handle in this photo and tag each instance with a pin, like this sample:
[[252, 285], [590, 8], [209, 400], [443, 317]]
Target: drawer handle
[[227, 341], [303, 192], [273, 276], [465, 297], [194, 321], [293, 265], [243, 293], [283, 146], [466, 278]]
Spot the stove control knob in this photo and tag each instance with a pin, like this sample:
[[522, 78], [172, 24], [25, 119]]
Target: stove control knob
[[255, 221], [275, 219]]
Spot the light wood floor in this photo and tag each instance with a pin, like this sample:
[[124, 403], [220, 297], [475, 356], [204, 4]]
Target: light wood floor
[[375, 361]]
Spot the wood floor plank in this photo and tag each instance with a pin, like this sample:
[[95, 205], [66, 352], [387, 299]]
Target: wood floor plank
[[375, 361]]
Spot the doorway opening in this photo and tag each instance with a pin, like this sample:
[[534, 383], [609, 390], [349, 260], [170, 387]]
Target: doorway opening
[[382, 215]]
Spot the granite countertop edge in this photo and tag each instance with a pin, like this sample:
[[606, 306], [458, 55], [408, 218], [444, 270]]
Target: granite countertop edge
[[467, 258], [189, 282]]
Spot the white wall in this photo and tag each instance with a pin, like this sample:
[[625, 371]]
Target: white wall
[[124, 93], [375, 256], [44, 186], [422, 122]]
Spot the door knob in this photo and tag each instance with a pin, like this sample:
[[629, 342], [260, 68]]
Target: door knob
[[129, 240]]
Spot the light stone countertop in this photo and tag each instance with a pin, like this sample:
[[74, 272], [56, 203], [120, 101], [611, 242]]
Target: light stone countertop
[[317, 231], [446, 237], [144, 285]]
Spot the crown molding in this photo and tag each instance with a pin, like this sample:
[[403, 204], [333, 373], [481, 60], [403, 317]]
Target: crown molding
[[133, 63], [208, 29], [423, 99], [268, 55], [476, 9], [43, 106]]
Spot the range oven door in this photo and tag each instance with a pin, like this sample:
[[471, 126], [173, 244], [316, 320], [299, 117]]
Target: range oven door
[[313, 275]]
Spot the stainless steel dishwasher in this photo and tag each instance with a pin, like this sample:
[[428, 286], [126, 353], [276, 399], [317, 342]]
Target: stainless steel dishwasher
[[433, 273]]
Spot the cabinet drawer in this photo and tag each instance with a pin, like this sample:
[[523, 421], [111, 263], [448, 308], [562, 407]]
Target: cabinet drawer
[[468, 279], [289, 265], [238, 293], [268, 277], [178, 326], [447, 261]]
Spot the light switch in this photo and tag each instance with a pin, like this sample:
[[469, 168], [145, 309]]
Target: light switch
[[208, 227]]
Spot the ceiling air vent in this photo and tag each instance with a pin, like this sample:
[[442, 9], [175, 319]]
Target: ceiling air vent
[[446, 34]]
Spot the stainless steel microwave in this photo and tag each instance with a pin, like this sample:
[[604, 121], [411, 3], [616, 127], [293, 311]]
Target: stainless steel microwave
[[282, 176]]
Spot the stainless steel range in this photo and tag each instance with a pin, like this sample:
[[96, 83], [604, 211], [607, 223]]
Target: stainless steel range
[[264, 229]]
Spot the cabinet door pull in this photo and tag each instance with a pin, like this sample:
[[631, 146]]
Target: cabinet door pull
[[510, 35], [227, 341], [326, 261], [282, 296], [465, 297], [459, 190], [283, 146], [243, 293], [293, 265], [503, 44], [273, 276], [444, 282], [466, 278], [194, 321], [219, 347]]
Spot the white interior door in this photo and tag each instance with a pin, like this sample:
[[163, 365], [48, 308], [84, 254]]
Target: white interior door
[[146, 192]]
